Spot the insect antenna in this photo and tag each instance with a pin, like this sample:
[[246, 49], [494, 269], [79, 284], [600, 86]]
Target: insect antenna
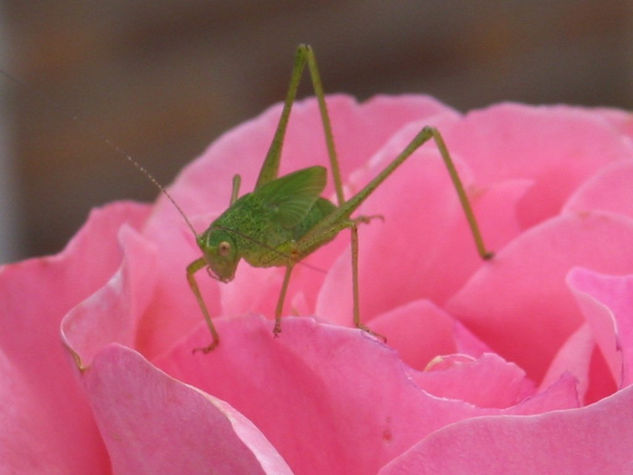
[[107, 141], [150, 177]]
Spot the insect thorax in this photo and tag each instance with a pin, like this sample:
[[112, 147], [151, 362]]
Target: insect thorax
[[261, 239]]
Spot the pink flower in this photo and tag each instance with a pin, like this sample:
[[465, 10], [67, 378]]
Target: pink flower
[[519, 364]]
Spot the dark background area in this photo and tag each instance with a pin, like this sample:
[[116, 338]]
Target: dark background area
[[162, 79]]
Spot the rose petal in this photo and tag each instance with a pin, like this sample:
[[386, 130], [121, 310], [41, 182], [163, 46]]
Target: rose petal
[[520, 305], [562, 394], [574, 357], [507, 141], [45, 422], [622, 120], [485, 382], [317, 389], [112, 313], [419, 331], [606, 304], [608, 190], [468, 343], [593, 439], [580, 357], [601, 382], [152, 423]]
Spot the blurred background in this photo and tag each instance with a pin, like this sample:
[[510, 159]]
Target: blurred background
[[162, 79]]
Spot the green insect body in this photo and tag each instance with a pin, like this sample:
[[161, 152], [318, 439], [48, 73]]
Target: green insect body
[[269, 220], [284, 219]]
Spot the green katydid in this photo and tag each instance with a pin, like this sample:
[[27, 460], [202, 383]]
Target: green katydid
[[284, 219]]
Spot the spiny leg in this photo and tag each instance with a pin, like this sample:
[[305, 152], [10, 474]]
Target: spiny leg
[[270, 168], [327, 124], [337, 218], [280, 301], [338, 186], [192, 268], [336, 178], [461, 193]]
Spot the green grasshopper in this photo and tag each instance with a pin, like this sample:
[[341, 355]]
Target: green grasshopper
[[284, 219]]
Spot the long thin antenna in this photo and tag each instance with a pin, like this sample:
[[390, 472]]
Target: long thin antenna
[[107, 141], [150, 177]]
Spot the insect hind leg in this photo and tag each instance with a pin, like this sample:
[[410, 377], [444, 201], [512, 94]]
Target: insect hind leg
[[304, 55], [355, 286], [461, 193]]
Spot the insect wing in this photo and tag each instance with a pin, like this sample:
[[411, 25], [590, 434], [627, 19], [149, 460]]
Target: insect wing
[[292, 195]]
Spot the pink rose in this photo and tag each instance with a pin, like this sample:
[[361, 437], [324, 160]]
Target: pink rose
[[519, 364]]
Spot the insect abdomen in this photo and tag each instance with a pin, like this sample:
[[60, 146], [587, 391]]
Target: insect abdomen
[[277, 244]]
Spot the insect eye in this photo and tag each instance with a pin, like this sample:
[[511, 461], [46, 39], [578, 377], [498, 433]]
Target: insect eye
[[224, 248]]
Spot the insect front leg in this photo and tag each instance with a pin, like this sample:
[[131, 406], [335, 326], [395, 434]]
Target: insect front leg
[[192, 268]]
